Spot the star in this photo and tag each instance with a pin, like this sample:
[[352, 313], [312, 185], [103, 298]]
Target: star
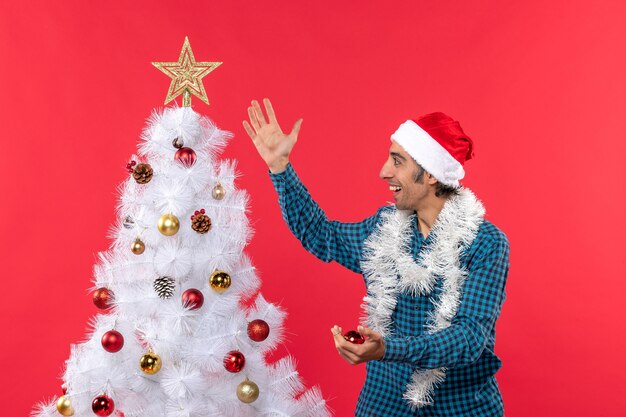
[[186, 75]]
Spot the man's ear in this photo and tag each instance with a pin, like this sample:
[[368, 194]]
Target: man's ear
[[431, 180]]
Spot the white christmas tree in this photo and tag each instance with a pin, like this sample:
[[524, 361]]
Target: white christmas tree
[[174, 338]]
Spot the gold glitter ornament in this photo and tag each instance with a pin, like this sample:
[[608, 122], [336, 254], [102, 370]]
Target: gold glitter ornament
[[247, 391], [218, 192], [219, 281], [186, 75], [138, 247], [150, 363], [64, 406], [168, 224]]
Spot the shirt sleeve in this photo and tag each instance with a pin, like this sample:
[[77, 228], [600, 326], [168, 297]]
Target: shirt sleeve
[[465, 339], [327, 240]]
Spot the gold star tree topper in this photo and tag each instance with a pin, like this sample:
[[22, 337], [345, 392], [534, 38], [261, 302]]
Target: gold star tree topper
[[186, 75]]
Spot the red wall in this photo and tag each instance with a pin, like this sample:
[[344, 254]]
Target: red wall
[[539, 85]]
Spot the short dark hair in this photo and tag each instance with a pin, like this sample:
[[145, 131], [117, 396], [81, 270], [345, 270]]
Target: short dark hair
[[441, 190]]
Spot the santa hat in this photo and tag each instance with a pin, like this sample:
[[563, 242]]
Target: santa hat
[[438, 144]]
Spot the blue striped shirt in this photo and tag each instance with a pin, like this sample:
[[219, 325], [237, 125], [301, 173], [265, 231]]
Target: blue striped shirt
[[466, 348]]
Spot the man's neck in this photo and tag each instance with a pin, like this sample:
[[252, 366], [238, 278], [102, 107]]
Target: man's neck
[[427, 215]]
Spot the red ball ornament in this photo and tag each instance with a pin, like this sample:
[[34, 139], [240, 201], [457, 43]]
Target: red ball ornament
[[103, 405], [234, 361], [354, 337], [112, 341], [258, 330], [185, 156], [103, 298], [193, 299]]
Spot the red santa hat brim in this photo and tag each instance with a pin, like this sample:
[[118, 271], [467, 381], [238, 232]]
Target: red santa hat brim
[[428, 153]]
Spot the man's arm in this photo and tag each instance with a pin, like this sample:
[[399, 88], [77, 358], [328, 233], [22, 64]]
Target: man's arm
[[464, 341], [327, 240]]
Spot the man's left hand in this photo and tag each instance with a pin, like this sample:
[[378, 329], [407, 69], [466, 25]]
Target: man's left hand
[[372, 349]]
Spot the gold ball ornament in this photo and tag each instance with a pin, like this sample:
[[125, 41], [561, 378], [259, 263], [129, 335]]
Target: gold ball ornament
[[138, 247], [168, 224], [247, 391], [219, 281], [218, 192], [64, 406], [150, 363]]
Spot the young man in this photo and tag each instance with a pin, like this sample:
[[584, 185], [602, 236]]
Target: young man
[[435, 270]]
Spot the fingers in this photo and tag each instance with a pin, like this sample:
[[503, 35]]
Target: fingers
[[249, 130], [340, 342], [369, 333], [259, 113], [270, 111], [296, 129], [253, 119]]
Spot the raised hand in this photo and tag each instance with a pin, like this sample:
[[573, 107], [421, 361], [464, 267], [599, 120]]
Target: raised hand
[[270, 141]]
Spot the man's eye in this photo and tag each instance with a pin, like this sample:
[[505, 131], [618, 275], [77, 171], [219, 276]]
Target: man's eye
[[396, 161]]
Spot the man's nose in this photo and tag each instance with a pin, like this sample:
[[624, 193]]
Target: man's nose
[[384, 171]]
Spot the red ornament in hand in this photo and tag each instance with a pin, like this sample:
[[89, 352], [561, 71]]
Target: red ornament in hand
[[112, 341], [103, 298], [258, 330], [185, 156], [234, 361], [354, 337], [193, 299], [103, 405]]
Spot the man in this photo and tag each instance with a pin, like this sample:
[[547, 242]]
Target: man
[[435, 270]]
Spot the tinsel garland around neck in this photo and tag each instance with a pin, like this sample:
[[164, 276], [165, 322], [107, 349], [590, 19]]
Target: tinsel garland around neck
[[389, 267]]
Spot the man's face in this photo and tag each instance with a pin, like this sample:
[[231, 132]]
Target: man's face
[[400, 171]]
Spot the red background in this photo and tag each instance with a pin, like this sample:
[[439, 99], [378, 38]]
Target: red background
[[539, 85]]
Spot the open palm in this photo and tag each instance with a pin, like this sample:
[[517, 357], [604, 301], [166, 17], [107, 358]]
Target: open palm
[[272, 144]]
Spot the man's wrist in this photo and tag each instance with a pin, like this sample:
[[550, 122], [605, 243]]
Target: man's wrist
[[279, 166]]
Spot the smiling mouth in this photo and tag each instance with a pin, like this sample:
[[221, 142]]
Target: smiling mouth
[[395, 189]]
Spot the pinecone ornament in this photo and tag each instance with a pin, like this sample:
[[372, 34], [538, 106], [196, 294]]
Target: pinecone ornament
[[200, 222], [142, 173], [164, 287]]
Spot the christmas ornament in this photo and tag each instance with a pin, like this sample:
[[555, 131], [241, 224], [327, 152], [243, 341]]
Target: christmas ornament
[[218, 192], [185, 156], [247, 391], [219, 281], [164, 287], [200, 222], [354, 337], [234, 361], [129, 223], [178, 143], [64, 406], [138, 247], [258, 330], [150, 363], [142, 173], [168, 224], [193, 299], [130, 166], [103, 298], [186, 75], [112, 341], [103, 405]]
